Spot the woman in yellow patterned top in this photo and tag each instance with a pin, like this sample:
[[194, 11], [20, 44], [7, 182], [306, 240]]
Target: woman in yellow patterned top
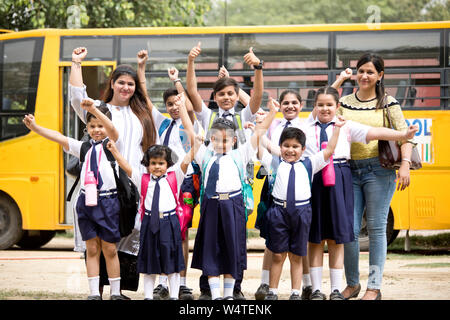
[[373, 186]]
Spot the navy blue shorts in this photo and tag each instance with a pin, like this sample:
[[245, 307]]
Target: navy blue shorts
[[288, 232], [100, 221]]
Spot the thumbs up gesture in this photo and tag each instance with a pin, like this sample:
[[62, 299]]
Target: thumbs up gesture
[[195, 51], [251, 59]]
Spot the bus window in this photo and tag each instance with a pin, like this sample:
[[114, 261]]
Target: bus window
[[279, 51], [172, 51], [99, 47], [402, 49], [21, 60]]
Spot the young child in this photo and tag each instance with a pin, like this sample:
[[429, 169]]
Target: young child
[[172, 134], [99, 225], [220, 244], [160, 250], [332, 206], [289, 216]]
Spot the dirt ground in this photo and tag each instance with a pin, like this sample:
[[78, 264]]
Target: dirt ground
[[57, 272]]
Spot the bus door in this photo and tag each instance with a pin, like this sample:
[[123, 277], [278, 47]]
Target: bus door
[[95, 77]]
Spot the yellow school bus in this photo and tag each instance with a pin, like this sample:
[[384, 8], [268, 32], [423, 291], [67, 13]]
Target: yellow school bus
[[35, 65]]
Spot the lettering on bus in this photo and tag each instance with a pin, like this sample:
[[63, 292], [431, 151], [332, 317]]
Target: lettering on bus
[[423, 139]]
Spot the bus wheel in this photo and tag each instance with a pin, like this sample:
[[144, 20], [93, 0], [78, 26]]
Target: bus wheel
[[391, 234], [33, 239], [10, 222]]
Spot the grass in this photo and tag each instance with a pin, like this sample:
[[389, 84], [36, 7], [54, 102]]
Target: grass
[[38, 295], [432, 243]]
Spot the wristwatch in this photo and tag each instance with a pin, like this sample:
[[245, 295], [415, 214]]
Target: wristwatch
[[259, 66]]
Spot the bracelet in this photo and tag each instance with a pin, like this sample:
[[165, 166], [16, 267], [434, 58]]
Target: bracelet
[[176, 80], [407, 160]]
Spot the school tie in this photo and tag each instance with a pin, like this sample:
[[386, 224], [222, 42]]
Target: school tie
[[323, 132], [213, 176], [154, 218], [290, 195], [169, 130], [94, 165], [227, 114], [284, 127]]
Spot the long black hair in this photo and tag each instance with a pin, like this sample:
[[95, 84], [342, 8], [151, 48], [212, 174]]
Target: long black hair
[[378, 63]]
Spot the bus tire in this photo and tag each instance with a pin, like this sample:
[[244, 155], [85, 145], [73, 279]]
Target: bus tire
[[35, 239], [391, 234], [10, 222]]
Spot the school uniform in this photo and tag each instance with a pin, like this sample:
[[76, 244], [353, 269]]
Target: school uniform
[[160, 251], [333, 206], [101, 220], [288, 226], [220, 244]]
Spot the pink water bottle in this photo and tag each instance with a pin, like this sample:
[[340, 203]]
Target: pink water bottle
[[328, 175], [90, 189]]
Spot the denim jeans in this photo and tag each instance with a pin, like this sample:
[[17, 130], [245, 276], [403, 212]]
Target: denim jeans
[[373, 188]]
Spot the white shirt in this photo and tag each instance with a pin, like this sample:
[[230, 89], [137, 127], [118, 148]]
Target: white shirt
[[229, 179], [175, 142], [350, 132], [302, 182], [166, 199], [104, 166], [125, 121]]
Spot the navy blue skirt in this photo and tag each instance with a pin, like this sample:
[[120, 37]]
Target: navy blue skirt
[[161, 252], [100, 221], [220, 244], [332, 207]]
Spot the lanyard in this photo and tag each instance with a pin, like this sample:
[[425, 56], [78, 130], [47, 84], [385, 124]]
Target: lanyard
[[98, 163]]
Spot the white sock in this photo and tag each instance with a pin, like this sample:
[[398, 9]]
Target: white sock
[[316, 278], [149, 285], [163, 280], [114, 284], [295, 291], [174, 284], [336, 279], [228, 287], [265, 275], [94, 285], [214, 285], [306, 280], [182, 281], [273, 290]]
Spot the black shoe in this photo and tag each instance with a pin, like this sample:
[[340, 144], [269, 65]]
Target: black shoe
[[185, 293], [262, 291], [355, 292], [94, 298], [219, 298], [306, 293], [125, 297], [161, 293], [205, 294], [229, 298], [336, 295], [238, 295], [295, 296], [271, 296], [317, 295], [117, 297]]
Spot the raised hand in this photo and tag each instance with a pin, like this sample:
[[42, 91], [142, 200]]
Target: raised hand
[[88, 105], [29, 122], [223, 73], [340, 122], [173, 73], [346, 74], [251, 59], [195, 51], [412, 129], [142, 57], [78, 54]]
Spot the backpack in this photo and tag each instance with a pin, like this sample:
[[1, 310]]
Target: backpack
[[247, 191], [126, 190], [172, 180]]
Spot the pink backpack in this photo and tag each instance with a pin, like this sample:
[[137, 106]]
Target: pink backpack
[[172, 180]]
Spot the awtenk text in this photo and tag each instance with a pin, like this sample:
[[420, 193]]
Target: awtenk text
[[234, 309]]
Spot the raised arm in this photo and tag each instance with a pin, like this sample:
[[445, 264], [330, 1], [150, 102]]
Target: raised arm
[[332, 142], [382, 133], [258, 85], [111, 146], [142, 57], [344, 75], [76, 76], [261, 127], [191, 78], [187, 124], [49, 134], [111, 131], [173, 76]]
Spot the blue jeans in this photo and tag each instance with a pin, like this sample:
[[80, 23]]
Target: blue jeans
[[373, 188]]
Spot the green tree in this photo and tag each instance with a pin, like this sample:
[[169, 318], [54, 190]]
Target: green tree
[[286, 12], [28, 14]]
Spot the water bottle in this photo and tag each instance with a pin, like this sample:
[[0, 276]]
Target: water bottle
[[328, 175], [90, 189]]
